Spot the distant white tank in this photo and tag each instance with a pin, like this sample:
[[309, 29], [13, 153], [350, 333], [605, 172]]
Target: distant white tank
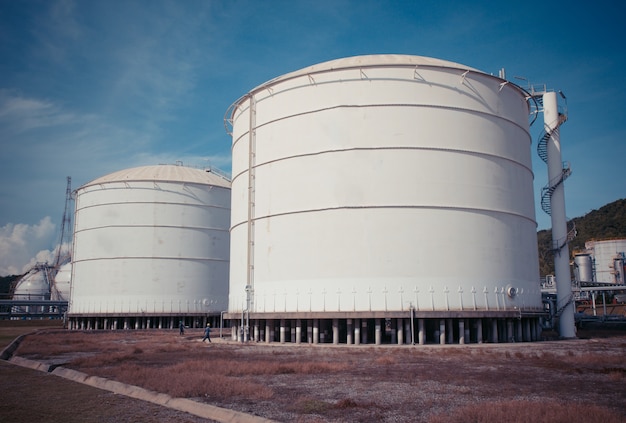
[[609, 259], [34, 285], [151, 241], [379, 183], [60, 290]]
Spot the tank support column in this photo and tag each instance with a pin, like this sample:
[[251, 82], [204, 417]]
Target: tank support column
[[400, 331], [282, 331], [442, 331], [298, 331], [421, 334], [335, 331], [357, 331], [479, 331], [377, 333], [350, 331], [526, 324], [461, 331], [494, 331], [316, 331]]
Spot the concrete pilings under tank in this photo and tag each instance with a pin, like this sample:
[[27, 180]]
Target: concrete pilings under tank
[[388, 330], [141, 322], [338, 330]]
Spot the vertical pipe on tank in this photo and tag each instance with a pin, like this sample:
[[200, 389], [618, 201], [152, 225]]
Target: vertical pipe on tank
[[567, 328], [618, 270], [251, 200]]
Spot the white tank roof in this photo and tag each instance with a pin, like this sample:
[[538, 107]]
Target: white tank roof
[[163, 173], [369, 61]]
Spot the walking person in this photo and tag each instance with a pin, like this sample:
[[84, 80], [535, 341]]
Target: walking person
[[207, 332], [181, 326]]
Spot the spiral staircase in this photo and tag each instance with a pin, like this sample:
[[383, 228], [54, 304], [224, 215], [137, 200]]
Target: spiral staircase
[[548, 190]]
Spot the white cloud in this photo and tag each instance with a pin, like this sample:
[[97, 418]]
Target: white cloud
[[21, 246], [23, 114]]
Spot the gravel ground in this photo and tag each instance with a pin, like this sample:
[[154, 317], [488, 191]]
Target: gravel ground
[[364, 383]]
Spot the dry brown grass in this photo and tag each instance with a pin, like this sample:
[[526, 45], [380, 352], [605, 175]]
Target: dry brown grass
[[529, 411], [472, 383]]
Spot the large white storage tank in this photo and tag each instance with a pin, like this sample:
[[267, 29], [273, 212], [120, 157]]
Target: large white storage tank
[[151, 241], [383, 183]]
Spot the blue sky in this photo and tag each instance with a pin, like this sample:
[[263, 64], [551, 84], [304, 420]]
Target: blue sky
[[91, 87]]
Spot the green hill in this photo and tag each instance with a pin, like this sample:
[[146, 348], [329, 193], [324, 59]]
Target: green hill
[[608, 222], [6, 284]]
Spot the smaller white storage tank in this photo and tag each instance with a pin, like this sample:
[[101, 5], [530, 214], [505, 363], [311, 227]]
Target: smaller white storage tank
[[150, 242]]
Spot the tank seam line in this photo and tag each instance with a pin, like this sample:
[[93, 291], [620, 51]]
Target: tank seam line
[[382, 207], [357, 106], [318, 153]]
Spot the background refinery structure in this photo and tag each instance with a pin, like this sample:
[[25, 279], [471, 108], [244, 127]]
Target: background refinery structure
[[150, 249], [43, 292], [599, 270], [372, 190], [606, 261]]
